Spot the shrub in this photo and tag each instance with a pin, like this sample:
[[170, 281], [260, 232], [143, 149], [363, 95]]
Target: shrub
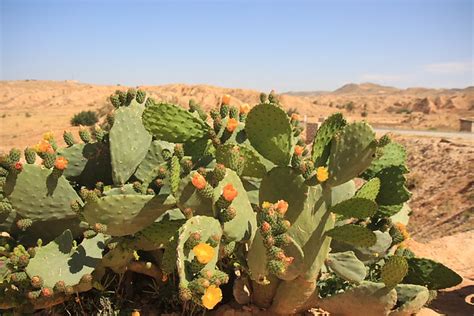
[[86, 118]]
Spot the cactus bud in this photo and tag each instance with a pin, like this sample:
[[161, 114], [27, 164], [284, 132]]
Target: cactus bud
[[224, 111], [265, 228], [5, 207], [68, 138], [179, 151], [263, 98], [115, 100], [60, 286], [24, 224], [14, 156], [149, 102], [110, 119], [46, 292], [86, 278], [282, 240], [32, 252], [75, 207], [219, 172], [214, 114], [49, 159], [186, 165], [30, 155], [188, 212], [234, 112], [276, 267], [141, 95], [159, 183], [100, 228], [185, 294], [23, 261], [85, 135], [162, 172], [137, 186], [193, 240], [227, 214], [131, 93], [269, 241], [89, 233], [33, 295]]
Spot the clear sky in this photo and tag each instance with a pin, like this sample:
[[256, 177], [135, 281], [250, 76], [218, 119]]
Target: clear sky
[[285, 45]]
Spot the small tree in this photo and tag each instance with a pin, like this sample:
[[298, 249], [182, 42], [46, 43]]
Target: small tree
[[86, 118]]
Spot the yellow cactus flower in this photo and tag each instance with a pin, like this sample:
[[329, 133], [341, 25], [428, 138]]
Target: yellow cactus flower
[[211, 297], [48, 136], [266, 204], [322, 174], [203, 252], [403, 229]]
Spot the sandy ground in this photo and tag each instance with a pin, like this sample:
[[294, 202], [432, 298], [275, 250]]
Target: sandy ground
[[442, 170]]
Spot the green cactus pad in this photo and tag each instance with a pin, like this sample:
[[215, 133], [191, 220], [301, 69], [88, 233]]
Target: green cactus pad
[[153, 159], [394, 270], [369, 190], [158, 234], [347, 266], [126, 214], [37, 195], [206, 227], [392, 154], [257, 260], [432, 274], [269, 131], [129, 142], [173, 124], [323, 137], [354, 235], [367, 299], [352, 151], [291, 296], [411, 299], [254, 165], [392, 186], [175, 171], [60, 261], [355, 207], [88, 163]]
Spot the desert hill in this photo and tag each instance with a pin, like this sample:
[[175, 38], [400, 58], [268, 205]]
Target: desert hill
[[28, 108]]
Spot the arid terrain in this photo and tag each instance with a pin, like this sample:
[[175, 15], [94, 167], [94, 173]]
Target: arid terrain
[[441, 178]]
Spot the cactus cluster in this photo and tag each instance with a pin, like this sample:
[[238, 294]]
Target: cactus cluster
[[206, 198]]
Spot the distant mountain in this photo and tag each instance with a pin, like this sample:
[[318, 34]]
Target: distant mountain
[[376, 89], [364, 88]]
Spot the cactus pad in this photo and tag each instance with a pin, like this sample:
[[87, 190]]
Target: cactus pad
[[356, 207], [432, 274], [394, 270], [172, 123], [352, 151], [269, 131], [353, 235], [129, 142], [126, 214], [323, 137], [392, 187], [60, 261], [347, 266]]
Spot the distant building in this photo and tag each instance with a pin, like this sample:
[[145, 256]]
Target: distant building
[[312, 124], [466, 125]]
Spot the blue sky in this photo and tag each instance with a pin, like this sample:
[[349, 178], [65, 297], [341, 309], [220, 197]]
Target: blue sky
[[282, 45]]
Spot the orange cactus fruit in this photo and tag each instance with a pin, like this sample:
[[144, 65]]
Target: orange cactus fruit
[[229, 192], [60, 163], [198, 181], [244, 108], [299, 150], [226, 99], [232, 124], [295, 117], [282, 206]]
